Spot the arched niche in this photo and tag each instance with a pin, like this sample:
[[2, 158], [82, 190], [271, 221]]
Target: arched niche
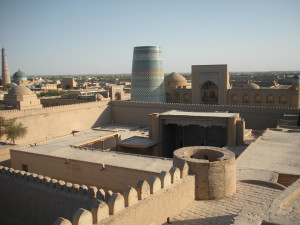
[[257, 98], [270, 98], [209, 93], [246, 98], [186, 97], [118, 96], [234, 98], [283, 99]]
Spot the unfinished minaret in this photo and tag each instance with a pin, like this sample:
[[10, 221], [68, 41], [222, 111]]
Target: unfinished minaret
[[5, 71]]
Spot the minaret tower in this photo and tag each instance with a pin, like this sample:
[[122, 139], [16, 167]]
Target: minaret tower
[[5, 71]]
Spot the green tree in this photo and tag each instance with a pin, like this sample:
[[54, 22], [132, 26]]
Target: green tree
[[11, 129], [2, 127]]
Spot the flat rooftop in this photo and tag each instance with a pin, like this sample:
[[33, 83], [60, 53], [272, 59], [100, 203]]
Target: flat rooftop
[[198, 114], [276, 150], [62, 147]]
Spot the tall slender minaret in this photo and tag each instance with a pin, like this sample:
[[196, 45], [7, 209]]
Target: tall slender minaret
[[5, 71]]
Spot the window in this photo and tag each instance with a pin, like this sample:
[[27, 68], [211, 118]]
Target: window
[[270, 98], [25, 167], [234, 98], [257, 98], [246, 98]]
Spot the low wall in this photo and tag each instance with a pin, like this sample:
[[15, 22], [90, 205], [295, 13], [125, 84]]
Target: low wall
[[51, 122], [152, 202], [256, 117], [81, 172], [31, 199]]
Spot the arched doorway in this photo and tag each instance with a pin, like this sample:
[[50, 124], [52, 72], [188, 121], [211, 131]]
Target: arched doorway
[[118, 96], [209, 93]]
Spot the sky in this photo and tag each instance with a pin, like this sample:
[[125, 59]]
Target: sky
[[69, 37]]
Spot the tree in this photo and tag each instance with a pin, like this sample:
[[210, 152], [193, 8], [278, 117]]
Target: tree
[[11, 129], [2, 127]]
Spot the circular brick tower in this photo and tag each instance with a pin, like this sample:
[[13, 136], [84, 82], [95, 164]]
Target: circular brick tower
[[147, 81], [5, 71], [215, 170]]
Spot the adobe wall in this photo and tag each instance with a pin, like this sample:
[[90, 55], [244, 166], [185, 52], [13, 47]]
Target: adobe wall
[[256, 117], [31, 199], [152, 202], [51, 122], [81, 172], [166, 203]]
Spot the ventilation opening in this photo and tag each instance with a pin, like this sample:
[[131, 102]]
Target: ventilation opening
[[25, 167], [287, 179], [207, 154]]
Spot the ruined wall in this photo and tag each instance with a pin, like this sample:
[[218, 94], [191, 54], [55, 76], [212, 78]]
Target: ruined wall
[[51, 122], [256, 117], [96, 174]]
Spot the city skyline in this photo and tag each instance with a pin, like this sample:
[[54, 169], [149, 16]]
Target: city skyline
[[75, 37]]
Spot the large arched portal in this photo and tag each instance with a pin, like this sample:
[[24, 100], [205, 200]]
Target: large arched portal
[[118, 96], [209, 93]]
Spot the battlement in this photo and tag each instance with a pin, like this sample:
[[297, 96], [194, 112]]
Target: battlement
[[43, 198], [52, 109], [205, 107], [173, 189]]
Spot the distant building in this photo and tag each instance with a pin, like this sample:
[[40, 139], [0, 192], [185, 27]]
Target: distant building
[[68, 83], [177, 89], [210, 85], [116, 92], [5, 70], [21, 97]]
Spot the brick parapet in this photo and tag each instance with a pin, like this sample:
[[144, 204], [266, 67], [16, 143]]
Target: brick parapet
[[19, 113], [131, 206], [205, 107], [37, 199]]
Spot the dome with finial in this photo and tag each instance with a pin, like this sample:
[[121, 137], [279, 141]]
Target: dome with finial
[[296, 77], [251, 85], [19, 76], [174, 80]]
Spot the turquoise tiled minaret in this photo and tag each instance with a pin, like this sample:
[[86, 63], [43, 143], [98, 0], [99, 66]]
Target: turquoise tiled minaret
[[147, 81]]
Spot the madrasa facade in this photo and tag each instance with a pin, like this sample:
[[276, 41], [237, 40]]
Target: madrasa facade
[[210, 85]]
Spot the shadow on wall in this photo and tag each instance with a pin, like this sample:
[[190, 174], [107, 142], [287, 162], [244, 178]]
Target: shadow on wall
[[105, 118]]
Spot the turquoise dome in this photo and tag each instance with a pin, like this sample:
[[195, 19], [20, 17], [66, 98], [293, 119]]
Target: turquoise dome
[[19, 75], [296, 77]]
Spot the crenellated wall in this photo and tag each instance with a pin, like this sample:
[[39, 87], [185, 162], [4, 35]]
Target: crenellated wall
[[256, 117], [154, 201], [51, 122], [29, 198]]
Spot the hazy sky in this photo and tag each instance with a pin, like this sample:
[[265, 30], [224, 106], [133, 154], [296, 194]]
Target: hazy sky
[[95, 36]]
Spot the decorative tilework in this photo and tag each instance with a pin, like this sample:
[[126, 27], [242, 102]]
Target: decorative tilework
[[147, 82]]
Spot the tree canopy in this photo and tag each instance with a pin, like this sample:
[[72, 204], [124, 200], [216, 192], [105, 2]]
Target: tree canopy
[[12, 129]]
